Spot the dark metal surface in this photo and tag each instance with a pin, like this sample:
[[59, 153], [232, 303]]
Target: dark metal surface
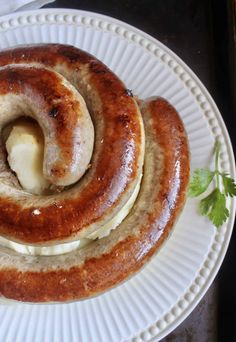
[[201, 32]]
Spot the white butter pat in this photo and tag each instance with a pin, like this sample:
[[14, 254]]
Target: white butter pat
[[115, 221], [25, 149]]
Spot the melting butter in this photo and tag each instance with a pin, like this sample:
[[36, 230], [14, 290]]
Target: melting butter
[[70, 246], [25, 149]]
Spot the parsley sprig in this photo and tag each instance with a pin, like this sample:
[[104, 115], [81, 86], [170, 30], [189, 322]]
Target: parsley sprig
[[214, 205]]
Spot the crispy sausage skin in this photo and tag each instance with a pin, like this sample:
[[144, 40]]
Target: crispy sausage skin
[[109, 261], [60, 111], [39, 81]]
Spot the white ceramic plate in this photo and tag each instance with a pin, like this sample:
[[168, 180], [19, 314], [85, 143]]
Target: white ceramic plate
[[157, 299]]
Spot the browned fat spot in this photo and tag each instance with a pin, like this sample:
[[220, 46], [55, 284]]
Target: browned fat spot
[[129, 92], [123, 119], [12, 75], [58, 172], [71, 55], [98, 68], [53, 112]]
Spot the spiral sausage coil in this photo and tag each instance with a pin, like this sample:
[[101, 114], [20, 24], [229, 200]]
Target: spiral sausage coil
[[101, 146]]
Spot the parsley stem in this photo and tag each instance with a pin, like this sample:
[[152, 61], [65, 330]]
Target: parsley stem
[[217, 151]]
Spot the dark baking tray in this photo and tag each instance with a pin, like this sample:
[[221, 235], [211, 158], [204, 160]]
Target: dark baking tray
[[202, 33]]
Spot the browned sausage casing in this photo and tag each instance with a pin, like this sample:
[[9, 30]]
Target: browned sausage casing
[[106, 262], [118, 148]]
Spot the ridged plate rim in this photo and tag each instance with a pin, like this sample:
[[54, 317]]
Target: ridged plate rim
[[206, 274]]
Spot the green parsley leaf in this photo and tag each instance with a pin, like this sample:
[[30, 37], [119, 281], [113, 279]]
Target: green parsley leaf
[[229, 185], [200, 182], [214, 207]]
